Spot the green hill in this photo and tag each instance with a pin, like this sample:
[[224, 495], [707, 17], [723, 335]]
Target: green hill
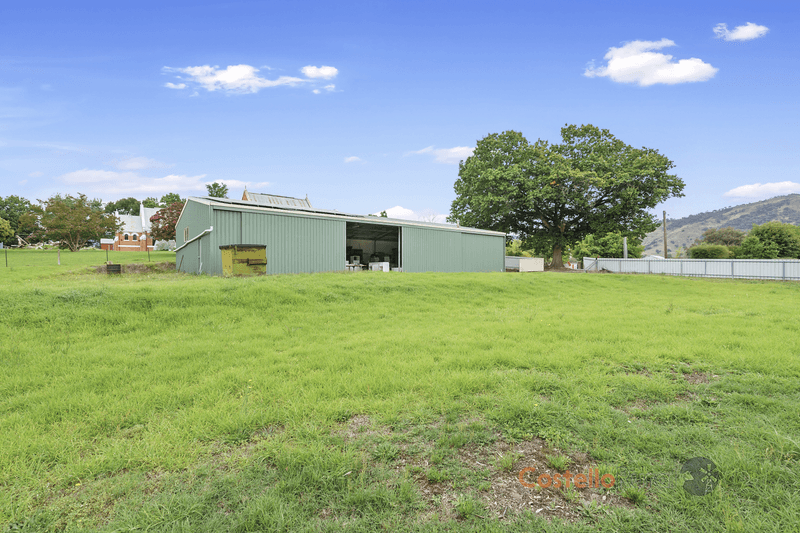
[[682, 232]]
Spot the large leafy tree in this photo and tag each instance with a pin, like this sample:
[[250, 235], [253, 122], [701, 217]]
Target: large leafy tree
[[162, 224], [771, 241], [217, 189], [554, 195], [170, 198], [125, 206], [724, 236], [11, 209], [71, 221]]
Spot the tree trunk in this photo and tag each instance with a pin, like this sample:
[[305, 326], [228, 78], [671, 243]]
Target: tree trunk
[[558, 262]]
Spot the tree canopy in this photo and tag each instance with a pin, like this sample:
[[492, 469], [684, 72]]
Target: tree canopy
[[164, 221], [71, 221], [5, 230], [217, 189], [725, 236], [608, 245], [11, 209], [150, 202], [554, 195], [124, 206], [171, 198]]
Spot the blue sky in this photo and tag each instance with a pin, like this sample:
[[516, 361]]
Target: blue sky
[[366, 106]]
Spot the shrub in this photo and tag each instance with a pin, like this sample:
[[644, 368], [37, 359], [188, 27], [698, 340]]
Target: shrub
[[783, 238], [709, 251], [754, 248]]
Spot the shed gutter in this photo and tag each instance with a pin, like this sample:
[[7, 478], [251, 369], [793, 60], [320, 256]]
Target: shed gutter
[[202, 233]]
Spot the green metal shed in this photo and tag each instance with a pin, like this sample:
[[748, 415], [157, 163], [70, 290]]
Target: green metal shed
[[302, 239]]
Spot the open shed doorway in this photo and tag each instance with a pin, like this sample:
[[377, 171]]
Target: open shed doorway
[[370, 243]]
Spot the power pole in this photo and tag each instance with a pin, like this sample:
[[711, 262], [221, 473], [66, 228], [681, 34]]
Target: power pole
[[664, 225]]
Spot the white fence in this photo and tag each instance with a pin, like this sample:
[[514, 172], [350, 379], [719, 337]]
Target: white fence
[[781, 269], [524, 264]]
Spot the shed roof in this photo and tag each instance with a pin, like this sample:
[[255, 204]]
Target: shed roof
[[225, 203], [137, 223], [274, 200]]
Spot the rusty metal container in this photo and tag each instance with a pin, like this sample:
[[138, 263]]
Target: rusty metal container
[[244, 259]]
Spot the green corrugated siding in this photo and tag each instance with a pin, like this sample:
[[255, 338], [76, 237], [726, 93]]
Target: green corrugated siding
[[227, 230], [296, 243], [196, 217], [430, 250], [483, 253]]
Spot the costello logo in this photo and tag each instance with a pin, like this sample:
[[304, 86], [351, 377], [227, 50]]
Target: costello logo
[[579, 481]]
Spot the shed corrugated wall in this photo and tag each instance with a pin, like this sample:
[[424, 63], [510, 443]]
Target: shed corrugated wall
[[432, 250], [310, 243], [483, 253], [294, 243], [197, 218]]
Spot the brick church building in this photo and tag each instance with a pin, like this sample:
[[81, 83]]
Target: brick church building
[[135, 233]]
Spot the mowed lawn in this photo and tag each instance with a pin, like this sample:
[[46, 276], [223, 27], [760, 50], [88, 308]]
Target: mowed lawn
[[372, 401]]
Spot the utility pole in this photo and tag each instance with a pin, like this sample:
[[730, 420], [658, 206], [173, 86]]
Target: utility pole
[[624, 247], [664, 225]]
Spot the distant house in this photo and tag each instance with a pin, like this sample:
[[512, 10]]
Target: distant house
[[135, 233]]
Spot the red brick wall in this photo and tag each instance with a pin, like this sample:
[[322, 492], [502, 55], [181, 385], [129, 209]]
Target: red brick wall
[[141, 245]]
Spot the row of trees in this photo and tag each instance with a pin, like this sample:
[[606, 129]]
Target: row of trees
[[553, 196], [73, 221], [772, 240], [608, 245]]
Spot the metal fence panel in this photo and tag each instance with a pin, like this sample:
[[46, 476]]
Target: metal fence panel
[[780, 269]]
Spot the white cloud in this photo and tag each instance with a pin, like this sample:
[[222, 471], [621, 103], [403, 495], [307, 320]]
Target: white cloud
[[323, 72], [427, 215], [35, 174], [109, 182], [175, 86], [234, 78], [22, 182], [106, 183], [138, 163], [450, 156], [746, 32], [352, 159], [636, 62], [763, 190]]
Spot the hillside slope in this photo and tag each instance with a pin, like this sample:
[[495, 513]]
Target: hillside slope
[[682, 232]]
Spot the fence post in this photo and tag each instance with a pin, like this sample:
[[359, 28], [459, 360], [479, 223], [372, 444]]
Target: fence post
[[732, 264], [784, 271], [705, 269]]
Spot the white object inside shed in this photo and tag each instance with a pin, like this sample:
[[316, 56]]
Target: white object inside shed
[[524, 264], [380, 265]]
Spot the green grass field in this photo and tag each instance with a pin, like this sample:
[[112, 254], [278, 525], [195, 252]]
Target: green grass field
[[159, 401]]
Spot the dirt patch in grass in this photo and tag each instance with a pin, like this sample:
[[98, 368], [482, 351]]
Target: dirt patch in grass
[[504, 496], [140, 268], [362, 426], [483, 479], [696, 377]]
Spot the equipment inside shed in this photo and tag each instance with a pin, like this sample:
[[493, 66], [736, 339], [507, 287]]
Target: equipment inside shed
[[372, 243]]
